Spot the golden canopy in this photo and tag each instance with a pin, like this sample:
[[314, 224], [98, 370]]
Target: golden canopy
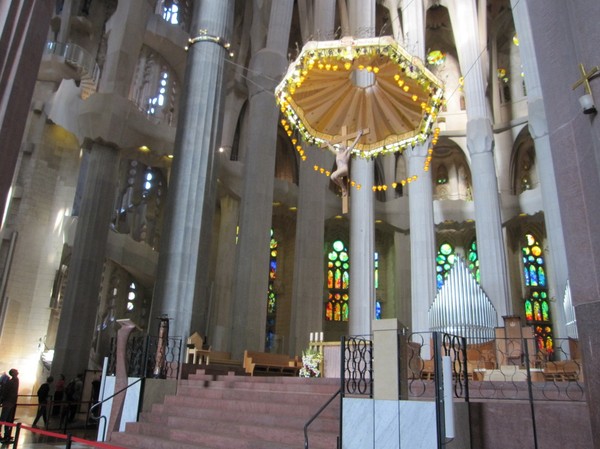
[[398, 103]]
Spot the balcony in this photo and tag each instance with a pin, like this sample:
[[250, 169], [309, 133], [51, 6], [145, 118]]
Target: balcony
[[70, 61]]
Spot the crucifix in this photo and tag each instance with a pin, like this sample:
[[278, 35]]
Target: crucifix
[[342, 160], [586, 77], [587, 100]]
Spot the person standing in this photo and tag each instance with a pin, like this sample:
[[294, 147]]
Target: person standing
[[42, 394], [59, 395], [10, 394]]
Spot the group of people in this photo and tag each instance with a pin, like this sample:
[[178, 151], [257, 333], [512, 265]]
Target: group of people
[[66, 399]]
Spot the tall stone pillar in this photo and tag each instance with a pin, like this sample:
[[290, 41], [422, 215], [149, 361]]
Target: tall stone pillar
[[78, 315], [23, 29], [362, 214], [251, 284], [224, 276], [191, 197], [565, 35], [309, 275], [480, 142], [488, 219], [420, 196], [422, 239], [538, 127]]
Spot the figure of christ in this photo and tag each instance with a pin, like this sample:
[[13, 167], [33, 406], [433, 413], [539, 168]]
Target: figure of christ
[[342, 161]]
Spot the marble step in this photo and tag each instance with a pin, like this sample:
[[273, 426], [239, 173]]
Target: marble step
[[325, 422], [221, 434]]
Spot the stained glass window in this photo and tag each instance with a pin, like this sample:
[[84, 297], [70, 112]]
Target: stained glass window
[[271, 294], [536, 304], [474, 260], [444, 261], [131, 297], [377, 301], [338, 282]]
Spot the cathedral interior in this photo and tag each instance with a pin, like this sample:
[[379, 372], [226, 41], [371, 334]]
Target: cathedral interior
[[156, 175]]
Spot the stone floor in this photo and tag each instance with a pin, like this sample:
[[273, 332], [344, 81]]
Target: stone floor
[[31, 439]]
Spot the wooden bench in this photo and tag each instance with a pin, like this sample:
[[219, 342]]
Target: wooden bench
[[565, 370], [264, 363]]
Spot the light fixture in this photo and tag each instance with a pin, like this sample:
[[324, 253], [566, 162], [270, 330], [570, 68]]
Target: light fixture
[[587, 100]]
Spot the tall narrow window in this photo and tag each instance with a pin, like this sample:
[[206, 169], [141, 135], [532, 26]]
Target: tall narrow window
[[444, 261], [338, 281], [377, 300], [271, 295], [131, 297], [474, 260], [537, 307]]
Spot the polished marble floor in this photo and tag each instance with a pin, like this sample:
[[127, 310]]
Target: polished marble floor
[[39, 439]]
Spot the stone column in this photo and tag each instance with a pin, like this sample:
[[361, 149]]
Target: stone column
[[564, 35], [309, 275], [78, 315], [250, 290], [23, 27], [480, 142], [191, 197], [224, 276], [420, 196], [538, 127], [362, 214], [422, 239]]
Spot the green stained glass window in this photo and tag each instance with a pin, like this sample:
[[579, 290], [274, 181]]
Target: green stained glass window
[[444, 261], [473, 258]]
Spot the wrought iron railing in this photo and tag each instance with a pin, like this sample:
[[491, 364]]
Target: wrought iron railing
[[142, 360], [500, 368], [357, 366]]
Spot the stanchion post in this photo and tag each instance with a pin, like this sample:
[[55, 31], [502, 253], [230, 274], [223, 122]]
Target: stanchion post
[[17, 432]]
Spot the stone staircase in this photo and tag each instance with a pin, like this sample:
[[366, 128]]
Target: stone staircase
[[231, 412]]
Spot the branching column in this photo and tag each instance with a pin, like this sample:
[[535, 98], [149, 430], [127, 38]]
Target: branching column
[[480, 143], [78, 315], [420, 197], [538, 127], [309, 276], [251, 284]]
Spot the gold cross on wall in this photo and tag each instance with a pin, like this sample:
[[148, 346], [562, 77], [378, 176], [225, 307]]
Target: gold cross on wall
[[586, 77]]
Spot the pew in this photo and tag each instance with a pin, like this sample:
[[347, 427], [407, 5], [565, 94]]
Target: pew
[[264, 363], [564, 370]]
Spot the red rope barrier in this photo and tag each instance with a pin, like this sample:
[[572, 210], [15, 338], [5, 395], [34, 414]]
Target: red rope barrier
[[62, 436]]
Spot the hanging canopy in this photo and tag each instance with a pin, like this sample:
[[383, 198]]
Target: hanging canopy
[[369, 84]]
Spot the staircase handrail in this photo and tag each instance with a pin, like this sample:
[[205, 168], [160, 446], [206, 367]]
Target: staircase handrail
[[102, 417], [323, 407]]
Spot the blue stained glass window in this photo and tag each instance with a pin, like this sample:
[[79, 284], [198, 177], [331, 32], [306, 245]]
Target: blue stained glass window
[[271, 295]]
